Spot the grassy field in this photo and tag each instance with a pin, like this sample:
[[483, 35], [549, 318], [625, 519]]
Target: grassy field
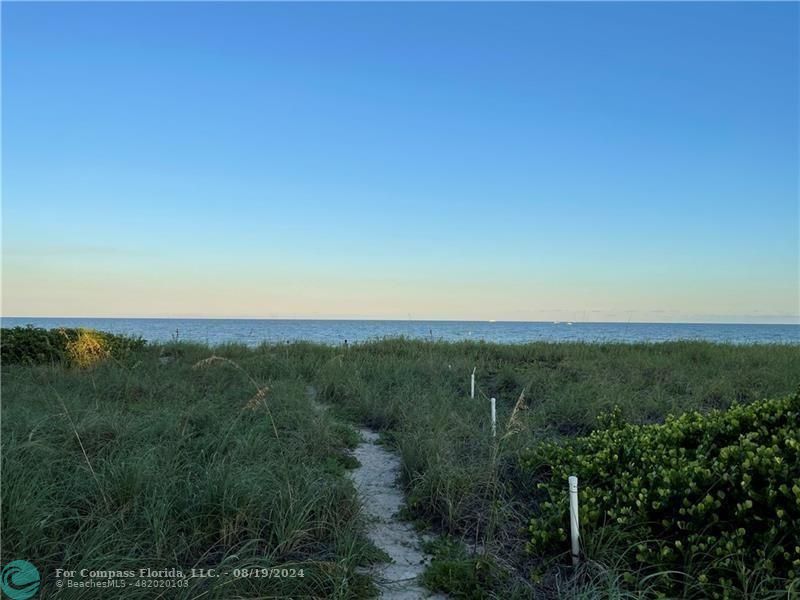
[[162, 456], [166, 461]]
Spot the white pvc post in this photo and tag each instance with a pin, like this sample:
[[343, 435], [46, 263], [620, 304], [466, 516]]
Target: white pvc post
[[494, 418], [472, 385], [573, 520]]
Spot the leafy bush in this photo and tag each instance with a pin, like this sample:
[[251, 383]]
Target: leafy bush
[[706, 502], [80, 347], [30, 345]]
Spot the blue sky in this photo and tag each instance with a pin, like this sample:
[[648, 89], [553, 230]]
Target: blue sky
[[469, 161]]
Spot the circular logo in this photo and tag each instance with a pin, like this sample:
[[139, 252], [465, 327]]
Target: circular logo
[[20, 580]]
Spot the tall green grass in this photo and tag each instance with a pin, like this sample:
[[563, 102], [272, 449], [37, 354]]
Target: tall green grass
[[470, 487], [154, 463], [148, 460]]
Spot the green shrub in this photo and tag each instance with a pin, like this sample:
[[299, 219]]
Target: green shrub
[[705, 502], [34, 345], [31, 345]]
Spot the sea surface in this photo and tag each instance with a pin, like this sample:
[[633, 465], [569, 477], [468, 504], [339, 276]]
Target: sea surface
[[255, 331]]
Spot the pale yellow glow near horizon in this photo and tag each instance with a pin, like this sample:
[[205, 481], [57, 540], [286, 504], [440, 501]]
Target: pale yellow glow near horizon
[[43, 291]]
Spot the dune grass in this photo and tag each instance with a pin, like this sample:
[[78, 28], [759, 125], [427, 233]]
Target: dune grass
[[164, 461], [469, 488], [154, 461]]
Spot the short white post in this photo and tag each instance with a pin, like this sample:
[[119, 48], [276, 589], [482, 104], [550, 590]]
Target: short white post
[[573, 520], [472, 384], [494, 417]]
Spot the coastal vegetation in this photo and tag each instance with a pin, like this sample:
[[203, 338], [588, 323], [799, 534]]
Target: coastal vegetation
[[181, 455], [163, 457], [702, 505], [64, 346]]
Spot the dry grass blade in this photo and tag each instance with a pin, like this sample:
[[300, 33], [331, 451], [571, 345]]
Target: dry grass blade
[[83, 448], [259, 397], [213, 360], [261, 391], [514, 424]]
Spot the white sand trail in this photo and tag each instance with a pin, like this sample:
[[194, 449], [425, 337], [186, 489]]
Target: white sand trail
[[376, 481]]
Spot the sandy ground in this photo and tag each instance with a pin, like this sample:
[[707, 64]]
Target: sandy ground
[[376, 481], [382, 498]]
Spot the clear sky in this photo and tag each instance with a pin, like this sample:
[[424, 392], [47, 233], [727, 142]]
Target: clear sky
[[594, 162]]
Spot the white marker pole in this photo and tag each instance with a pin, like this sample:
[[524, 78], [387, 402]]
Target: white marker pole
[[472, 385], [494, 418], [573, 520]]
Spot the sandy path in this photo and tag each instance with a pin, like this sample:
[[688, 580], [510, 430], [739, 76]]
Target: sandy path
[[382, 499], [376, 481]]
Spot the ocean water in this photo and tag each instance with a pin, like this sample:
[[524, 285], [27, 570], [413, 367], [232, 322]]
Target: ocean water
[[255, 331]]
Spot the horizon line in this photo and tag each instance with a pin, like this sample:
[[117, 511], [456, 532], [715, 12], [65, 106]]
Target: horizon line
[[796, 321]]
